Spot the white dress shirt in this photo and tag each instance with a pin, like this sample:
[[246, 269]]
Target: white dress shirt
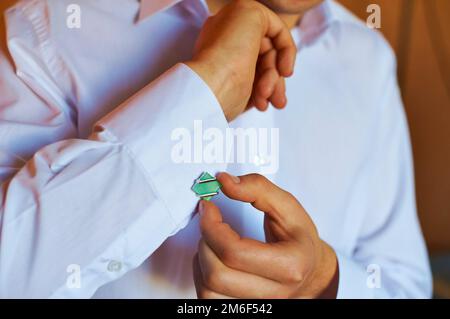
[[87, 180]]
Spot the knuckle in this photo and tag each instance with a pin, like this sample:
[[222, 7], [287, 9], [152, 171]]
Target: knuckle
[[295, 275], [290, 196], [229, 257], [211, 280], [295, 272], [258, 180], [214, 279], [252, 8]]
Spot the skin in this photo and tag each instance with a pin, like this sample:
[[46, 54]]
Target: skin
[[271, 88], [244, 53], [266, 77], [294, 262]]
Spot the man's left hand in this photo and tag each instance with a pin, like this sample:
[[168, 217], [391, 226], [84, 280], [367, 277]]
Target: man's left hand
[[293, 262]]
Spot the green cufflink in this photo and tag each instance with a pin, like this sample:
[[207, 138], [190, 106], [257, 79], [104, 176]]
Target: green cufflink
[[206, 186]]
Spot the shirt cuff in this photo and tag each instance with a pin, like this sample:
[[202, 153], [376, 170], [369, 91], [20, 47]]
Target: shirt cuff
[[171, 112], [353, 280]]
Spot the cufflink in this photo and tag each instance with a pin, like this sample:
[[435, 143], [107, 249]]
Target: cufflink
[[206, 186]]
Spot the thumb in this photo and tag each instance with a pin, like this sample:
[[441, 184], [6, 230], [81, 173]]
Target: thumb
[[279, 205], [215, 232]]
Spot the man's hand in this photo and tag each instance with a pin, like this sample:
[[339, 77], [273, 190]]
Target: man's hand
[[293, 263], [244, 53]]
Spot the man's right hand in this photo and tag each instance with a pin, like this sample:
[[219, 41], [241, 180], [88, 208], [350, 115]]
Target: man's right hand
[[244, 53]]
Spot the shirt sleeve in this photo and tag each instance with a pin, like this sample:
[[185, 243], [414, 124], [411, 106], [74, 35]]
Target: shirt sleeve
[[78, 213], [390, 258]]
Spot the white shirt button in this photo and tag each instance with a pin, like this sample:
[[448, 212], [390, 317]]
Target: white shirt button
[[114, 266]]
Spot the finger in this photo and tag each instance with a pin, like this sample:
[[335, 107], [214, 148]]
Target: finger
[[268, 60], [265, 196], [245, 254], [266, 46], [282, 41], [265, 88], [202, 291], [268, 74], [278, 97], [267, 79], [230, 282], [260, 103]]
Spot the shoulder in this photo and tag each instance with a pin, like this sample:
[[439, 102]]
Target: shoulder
[[357, 57], [359, 45]]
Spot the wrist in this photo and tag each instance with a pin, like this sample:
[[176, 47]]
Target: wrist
[[217, 80]]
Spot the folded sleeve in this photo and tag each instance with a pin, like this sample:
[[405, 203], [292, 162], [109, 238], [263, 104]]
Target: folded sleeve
[[76, 213], [171, 116], [390, 258]]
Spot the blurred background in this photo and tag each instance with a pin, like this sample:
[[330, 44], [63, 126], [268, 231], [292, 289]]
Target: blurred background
[[419, 31]]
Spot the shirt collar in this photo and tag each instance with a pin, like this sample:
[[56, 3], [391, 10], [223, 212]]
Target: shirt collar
[[313, 24], [317, 20]]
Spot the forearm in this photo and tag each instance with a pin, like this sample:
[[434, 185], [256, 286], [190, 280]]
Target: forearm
[[104, 199]]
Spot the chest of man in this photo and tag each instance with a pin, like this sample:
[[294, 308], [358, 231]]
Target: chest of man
[[299, 148]]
